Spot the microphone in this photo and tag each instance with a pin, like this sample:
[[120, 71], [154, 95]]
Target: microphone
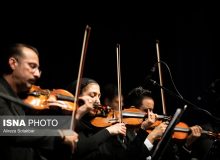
[[152, 70], [148, 78]]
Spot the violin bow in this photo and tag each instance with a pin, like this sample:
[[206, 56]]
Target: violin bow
[[119, 82], [81, 66], [120, 139], [160, 77]]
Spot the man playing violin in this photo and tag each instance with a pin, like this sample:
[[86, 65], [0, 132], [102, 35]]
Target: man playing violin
[[179, 150], [19, 71]]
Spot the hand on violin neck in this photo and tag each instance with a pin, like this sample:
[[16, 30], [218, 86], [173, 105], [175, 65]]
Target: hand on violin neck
[[57, 103], [89, 102], [151, 116], [52, 102], [146, 124], [149, 121], [196, 132], [117, 129], [157, 132], [87, 106]]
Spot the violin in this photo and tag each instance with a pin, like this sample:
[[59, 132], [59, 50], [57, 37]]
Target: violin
[[181, 131], [131, 116], [40, 99], [107, 117]]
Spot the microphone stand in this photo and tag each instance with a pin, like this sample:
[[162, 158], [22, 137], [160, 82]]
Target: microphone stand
[[183, 100], [171, 93]]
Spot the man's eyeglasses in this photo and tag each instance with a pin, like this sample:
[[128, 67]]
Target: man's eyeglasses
[[34, 67], [145, 109]]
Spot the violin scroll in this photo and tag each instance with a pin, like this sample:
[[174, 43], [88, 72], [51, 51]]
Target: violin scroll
[[212, 134]]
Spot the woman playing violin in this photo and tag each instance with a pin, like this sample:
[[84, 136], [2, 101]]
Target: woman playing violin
[[111, 142], [92, 141]]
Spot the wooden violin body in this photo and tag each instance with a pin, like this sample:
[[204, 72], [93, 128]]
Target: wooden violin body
[[131, 116], [40, 99], [182, 130]]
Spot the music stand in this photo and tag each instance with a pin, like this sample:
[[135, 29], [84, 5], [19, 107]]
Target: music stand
[[162, 144]]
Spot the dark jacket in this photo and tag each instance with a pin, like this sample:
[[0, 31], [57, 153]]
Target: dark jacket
[[98, 144], [22, 147]]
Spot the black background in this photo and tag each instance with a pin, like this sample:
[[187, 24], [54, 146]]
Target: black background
[[187, 35]]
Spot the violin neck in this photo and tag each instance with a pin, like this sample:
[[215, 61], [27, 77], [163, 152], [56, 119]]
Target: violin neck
[[65, 98], [133, 115], [210, 133], [142, 115], [186, 130], [180, 129]]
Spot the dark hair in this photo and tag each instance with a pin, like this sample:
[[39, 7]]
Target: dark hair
[[84, 82], [12, 50], [136, 95], [109, 91]]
